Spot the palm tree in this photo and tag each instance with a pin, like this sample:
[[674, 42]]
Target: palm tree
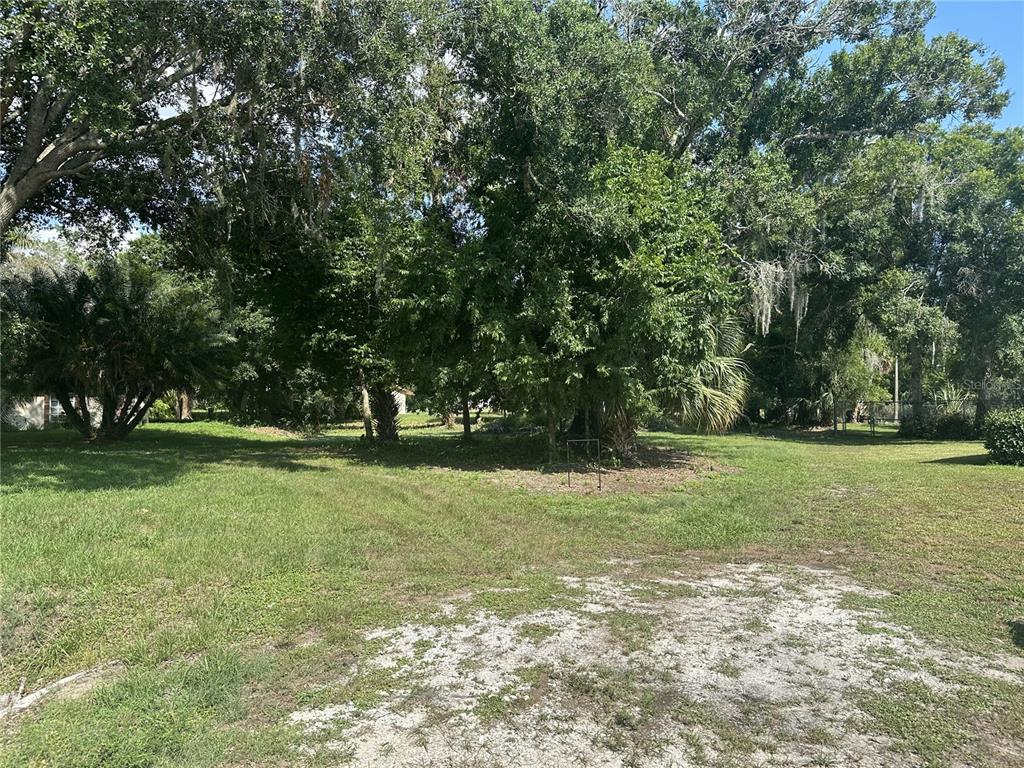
[[707, 395], [119, 332], [711, 398]]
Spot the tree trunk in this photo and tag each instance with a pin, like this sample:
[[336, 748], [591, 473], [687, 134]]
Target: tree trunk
[[896, 388], [367, 414], [142, 409], [14, 196], [73, 416], [109, 406], [552, 436], [9, 206], [467, 431], [983, 404], [184, 403], [917, 379], [385, 412], [83, 410]]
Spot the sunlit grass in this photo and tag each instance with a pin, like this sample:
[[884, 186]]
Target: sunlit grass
[[224, 567]]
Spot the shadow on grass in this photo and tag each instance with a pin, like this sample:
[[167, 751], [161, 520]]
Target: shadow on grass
[[160, 454], [1016, 632], [972, 458], [828, 437], [885, 436], [59, 460]]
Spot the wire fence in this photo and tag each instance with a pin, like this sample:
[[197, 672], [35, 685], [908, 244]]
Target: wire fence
[[893, 412]]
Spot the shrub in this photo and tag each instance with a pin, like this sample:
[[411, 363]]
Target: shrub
[[954, 426], [313, 403], [162, 410], [1004, 436], [939, 426]]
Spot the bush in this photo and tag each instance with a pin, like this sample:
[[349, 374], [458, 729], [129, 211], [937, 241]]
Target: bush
[[162, 410], [940, 426], [313, 402], [513, 423], [1004, 436]]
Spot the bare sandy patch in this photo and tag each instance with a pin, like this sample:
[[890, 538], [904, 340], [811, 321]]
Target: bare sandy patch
[[756, 665], [655, 470]]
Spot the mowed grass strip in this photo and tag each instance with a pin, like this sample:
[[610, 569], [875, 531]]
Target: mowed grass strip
[[208, 557]]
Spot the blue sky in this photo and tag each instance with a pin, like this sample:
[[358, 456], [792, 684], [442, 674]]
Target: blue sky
[[999, 25]]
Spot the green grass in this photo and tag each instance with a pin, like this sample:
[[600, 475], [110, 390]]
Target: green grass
[[232, 571]]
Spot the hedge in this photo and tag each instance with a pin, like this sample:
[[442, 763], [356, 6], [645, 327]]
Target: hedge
[[941, 426], [1004, 436]]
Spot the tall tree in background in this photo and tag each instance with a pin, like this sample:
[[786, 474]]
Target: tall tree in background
[[979, 242], [420, 192], [114, 85]]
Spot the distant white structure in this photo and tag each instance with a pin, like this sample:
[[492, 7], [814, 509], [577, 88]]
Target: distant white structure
[[39, 411], [400, 398]]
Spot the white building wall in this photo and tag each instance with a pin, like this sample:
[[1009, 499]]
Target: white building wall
[[25, 414], [400, 399], [30, 413]]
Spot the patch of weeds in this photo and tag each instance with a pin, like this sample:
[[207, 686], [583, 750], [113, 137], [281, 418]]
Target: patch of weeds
[[698, 751], [869, 604], [819, 736], [632, 631], [689, 712], [528, 595], [163, 715], [535, 632], [994, 709], [817, 697], [631, 703], [470, 665], [748, 592], [756, 625], [886, 656], [368, 689], [537, 682], [421, 646], [733, 738], [728, 668], [762, 716], [499, 705], [921, 720], [365, 690], [796, 642], [866, 627]]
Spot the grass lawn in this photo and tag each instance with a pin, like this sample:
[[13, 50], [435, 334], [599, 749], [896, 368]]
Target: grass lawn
[[230, 574]]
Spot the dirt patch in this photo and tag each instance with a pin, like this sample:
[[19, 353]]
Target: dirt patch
[[748, 666], [274, 432], [70, 687], [655, 470]]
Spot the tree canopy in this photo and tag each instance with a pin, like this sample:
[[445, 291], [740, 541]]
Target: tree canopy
[[589, 212]]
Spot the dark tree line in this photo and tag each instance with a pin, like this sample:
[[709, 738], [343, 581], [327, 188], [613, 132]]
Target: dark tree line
[[590, 212]]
